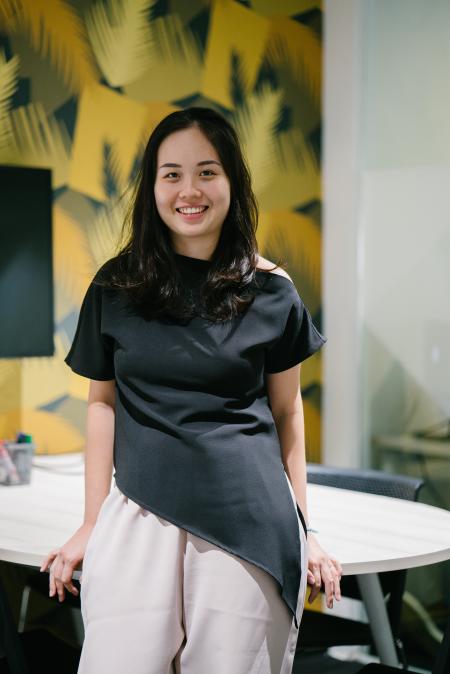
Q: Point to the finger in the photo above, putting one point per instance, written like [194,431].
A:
[328,587]
[52,579]
[56,570]
[313,594]
[52,585]
[316,583]
[337,584]
[47,561]
[310,580]
[60,590]
[329,593]
[70,587]
[329,577]
[66,578]
[317,578]
[336,578]
[337,566]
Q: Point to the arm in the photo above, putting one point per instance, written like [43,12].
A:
[99,447]
[98,475]
[287,410]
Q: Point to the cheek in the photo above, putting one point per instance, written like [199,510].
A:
[162,196]
[222,195]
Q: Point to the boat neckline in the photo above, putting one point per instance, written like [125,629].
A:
[195,260]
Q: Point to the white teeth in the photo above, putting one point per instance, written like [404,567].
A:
[190,211]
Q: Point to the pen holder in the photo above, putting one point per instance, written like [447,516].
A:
[16,460]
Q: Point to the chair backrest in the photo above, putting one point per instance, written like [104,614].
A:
[369,481]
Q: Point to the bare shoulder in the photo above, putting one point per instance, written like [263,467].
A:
[267,265]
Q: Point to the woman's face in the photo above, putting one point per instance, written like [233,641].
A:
[192,191]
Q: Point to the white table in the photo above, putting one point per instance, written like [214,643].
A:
[371,534]
[367,533]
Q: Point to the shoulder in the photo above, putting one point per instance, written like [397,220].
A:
[268,266]
[111,267]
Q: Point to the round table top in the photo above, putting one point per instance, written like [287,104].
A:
[367,533]
[370,533]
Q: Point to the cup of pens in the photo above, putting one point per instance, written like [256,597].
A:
[16,459]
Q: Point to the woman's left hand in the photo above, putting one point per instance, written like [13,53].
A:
[323,569]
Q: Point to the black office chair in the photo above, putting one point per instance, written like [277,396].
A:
[440,666]
[320,631]
[37,583]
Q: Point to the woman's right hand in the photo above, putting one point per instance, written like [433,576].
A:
[62,562]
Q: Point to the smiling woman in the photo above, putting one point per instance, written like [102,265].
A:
[192,191]
[193,196]
[204,532]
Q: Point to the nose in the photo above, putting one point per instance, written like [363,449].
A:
[189,190]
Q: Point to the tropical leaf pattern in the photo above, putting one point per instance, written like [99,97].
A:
[121,39]
[82,85]
[8,84]
[56,31]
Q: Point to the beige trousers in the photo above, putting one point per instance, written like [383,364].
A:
[156,599]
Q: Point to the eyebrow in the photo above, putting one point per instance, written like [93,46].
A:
[200,163]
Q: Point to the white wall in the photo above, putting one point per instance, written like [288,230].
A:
[342,324]
[386,222]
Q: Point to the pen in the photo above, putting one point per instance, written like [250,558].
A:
[9,464]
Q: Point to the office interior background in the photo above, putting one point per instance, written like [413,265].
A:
[343,108]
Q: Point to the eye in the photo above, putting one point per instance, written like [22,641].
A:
[172,174]
[208,172]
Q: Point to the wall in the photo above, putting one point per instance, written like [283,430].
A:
[387,238]
[82,85]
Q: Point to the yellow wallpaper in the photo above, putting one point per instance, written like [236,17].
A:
[83,83]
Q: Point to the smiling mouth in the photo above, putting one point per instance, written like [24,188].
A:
[192,210]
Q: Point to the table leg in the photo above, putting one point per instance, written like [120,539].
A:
[9,638]
[372,594]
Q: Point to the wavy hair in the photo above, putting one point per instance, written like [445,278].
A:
[145,264]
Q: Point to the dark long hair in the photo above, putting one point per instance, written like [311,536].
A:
[145,265]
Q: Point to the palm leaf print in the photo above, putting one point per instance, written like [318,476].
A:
[40,140]
[121,39]
[176,69]
[103,233]
[254,120]
[74,265]
[297,180]
[54,30]
[8,85]
[296,45]
[296,237]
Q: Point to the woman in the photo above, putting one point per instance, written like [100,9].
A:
[195,561]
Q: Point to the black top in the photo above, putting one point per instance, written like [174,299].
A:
[195,441]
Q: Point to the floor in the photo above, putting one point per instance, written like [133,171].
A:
[45,653]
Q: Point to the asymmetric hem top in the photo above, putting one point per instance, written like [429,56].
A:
[195,441]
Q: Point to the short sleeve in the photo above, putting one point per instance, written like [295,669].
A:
[92,353]
[299,340]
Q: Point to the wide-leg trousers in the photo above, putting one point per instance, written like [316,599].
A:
[156,599]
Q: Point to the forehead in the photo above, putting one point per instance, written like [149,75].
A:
[187,146]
